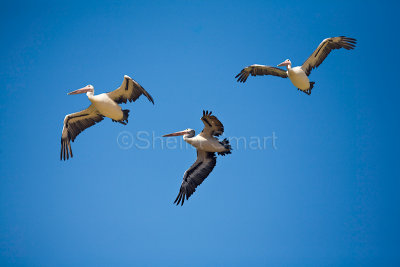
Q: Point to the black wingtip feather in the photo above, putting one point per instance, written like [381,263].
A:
[180,198]
[241,77]
[149,97]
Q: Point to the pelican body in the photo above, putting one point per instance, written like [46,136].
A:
[299,75]
[206,145]
[107,107]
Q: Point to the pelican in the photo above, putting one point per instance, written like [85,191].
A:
[103,105]
[206,145]
[299,75]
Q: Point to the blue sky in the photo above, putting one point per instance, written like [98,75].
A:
[326,195]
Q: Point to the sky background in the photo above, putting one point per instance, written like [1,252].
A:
[326,195]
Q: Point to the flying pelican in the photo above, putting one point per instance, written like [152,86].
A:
[299,75]
[103,105]
[206,144]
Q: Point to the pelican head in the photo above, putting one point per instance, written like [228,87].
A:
[86,89]
[188,132]
[286,63]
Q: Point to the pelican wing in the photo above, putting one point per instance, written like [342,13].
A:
[260,70]
[129,90]
[212,126]
[74,124]
[323,50]
[196,174]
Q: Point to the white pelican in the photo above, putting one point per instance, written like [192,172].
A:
[299,75]
[103,105]
[206,145]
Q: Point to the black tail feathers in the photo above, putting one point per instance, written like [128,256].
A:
[125,116]
[226,144]
[308,91]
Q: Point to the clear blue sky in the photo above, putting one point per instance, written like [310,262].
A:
[328,195]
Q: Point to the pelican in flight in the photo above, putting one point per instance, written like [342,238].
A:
[103,105]
[299,75]
[206,145]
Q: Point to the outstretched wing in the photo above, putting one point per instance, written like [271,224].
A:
[196,174]
[74,124]
[260,70]
[129,90]
[323,50]
[212,126]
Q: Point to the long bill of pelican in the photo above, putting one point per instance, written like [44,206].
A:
[284,63]
[177,133]
[83,90]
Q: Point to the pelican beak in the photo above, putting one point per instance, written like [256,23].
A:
[284,63]
[82,90]
[176,134]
